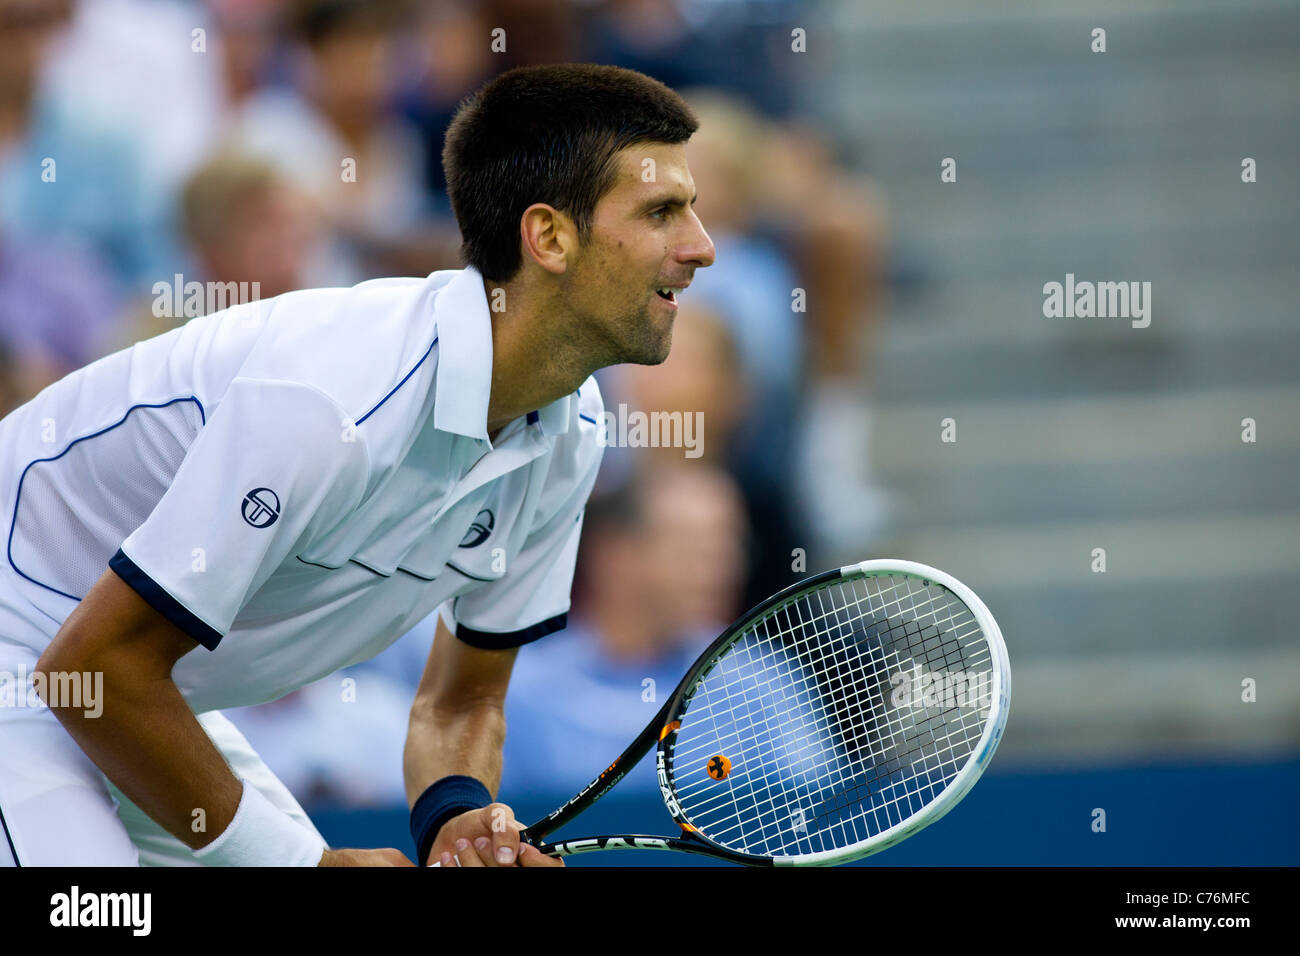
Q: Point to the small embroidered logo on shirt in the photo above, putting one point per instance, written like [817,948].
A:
[261,507]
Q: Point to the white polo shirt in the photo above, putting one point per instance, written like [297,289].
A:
[296,483]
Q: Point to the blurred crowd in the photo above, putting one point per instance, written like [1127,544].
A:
[274,145]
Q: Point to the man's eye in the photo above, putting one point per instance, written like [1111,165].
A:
[660,213]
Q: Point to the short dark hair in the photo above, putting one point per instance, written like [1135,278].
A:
[547,134]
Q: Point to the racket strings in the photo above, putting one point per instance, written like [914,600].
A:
[805,707]
[774,687]
[819,766]
[892,765]
[891,760]
[839,782]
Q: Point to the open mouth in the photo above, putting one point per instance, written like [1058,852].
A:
[668,293]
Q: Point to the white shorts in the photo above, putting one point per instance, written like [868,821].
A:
[57,809]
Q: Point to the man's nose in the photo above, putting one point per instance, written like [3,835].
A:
[698,248]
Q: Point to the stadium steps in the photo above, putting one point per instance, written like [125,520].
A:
[1082,433]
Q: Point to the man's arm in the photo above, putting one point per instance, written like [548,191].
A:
[147,740]
[458,727]
[458,718]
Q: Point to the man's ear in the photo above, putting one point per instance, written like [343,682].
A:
[549,237]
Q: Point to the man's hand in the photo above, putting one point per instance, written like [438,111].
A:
[387,857]
[487,837]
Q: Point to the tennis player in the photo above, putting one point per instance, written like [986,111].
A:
[241,506]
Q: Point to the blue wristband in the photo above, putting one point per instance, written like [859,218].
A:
[444,799]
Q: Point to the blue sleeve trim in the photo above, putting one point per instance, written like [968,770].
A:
[13,519]
[491,641]
[162,602]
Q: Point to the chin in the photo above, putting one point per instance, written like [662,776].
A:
[659,352]
[651,350]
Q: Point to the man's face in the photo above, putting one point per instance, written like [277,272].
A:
[645,237]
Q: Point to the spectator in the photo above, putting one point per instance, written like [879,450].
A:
[359,161]
[835,225]
[247,43]
[659,575]
[454,39]
[687,43]
[148,69]
[247,224]
[251,235]
[798,278]
[56,312]
[702,377]
[65,172]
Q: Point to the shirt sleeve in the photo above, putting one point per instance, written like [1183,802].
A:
[275,466]
[532,599]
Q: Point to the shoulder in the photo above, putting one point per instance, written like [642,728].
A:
[274,420]
[361,346]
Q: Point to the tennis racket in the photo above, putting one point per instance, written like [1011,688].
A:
[840,716]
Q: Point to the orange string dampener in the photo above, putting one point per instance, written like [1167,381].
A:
[718,767]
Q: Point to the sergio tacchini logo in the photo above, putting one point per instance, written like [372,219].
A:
[478,532]
[261,507]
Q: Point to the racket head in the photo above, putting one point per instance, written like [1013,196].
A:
[808,733]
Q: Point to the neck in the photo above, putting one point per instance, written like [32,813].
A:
[538,352]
